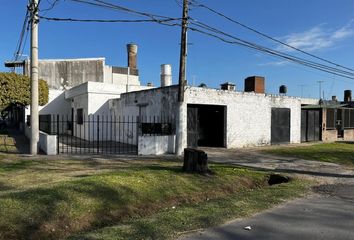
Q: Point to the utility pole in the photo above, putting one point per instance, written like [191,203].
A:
[182,80]
[320,87]
[34,77]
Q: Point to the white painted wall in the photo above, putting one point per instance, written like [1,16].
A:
[119,79]
[248,115]
[248,118]
[156,145]
[47,143]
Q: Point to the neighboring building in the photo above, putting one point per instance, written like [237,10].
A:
[328,121]
[85,84]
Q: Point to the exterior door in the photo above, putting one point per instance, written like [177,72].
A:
[280,125]
[310,125]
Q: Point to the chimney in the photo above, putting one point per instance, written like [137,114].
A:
[228,86]
[166,75]
[132,50]
[334,98]
[254,84]
[347,95]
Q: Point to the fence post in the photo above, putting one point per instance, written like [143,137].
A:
[58,142]
[98,134]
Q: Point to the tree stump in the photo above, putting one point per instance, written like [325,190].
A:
[195,161]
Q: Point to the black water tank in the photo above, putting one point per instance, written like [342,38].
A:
[347,95]
[283,89]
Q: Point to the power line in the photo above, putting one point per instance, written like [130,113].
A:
[269,37]
[209,28]
[21,38]
[273,52]
[103,4]
[108,20]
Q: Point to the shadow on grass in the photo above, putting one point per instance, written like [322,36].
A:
[60,211]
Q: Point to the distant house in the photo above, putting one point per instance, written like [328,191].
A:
[328,121]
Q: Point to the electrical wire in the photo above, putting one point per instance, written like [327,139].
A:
[21,38]
[209,28]
[194,2]
[274,53]
[108,20]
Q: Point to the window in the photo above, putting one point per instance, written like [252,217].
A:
[80,116]
[349,118]
[331,118]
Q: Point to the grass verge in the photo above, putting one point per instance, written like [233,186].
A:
[340,153]
[133,199]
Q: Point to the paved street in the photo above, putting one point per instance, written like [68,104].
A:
[327,214]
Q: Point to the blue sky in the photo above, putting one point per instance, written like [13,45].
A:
[322,27]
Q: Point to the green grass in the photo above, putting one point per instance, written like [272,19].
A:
[341,153]
[133,199]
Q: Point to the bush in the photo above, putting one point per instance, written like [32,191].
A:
[15,89]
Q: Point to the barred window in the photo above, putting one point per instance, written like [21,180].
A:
[331,118]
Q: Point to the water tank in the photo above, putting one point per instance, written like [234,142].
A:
[166,75]
[283,89]
[347,95]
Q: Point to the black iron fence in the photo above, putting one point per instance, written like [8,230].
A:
[96,134]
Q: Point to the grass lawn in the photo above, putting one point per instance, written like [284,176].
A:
[126,199]
[341,153]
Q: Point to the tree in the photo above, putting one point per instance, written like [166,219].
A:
[15,89]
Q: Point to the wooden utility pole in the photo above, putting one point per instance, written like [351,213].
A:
[180,129]
[34,77]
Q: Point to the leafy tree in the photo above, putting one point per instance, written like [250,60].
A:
[15,89]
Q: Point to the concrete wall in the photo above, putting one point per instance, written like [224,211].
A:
[156,145]
[119,79]
[47,143]
[95,100]
[248,118]
[348,134]
[248,115]
[64,73]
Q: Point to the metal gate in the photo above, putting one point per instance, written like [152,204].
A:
[310,125]
[280,125]
[102,134]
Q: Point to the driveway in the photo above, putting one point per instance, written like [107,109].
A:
[328,213]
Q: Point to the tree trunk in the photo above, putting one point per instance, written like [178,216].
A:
[195,161]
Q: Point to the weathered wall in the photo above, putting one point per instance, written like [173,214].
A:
[158,102]
[70,72]
[121,79]
[248,115]
[248,118]
[348,134]
[156,145]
